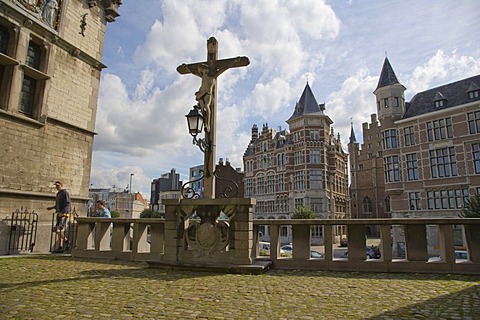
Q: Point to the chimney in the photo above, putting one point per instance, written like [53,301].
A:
[220,162]
[227,162]
[254,132]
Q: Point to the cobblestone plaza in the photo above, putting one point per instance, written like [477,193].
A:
[62,287]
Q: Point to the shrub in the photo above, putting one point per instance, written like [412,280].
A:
[149,213]
[302,212]
[471,209]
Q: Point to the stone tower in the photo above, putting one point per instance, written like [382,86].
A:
[50,64]
[390,95]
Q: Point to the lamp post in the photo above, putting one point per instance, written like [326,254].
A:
[130,185]
[130,202]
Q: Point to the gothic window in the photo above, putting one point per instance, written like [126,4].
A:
[317,231]
[443,162]
[27,97]
[474,122]
[33,82]
[314,135]
[315,156]
[299,180]
[270,183]
[315,179]
[367,205]
[414,200]
[260,184]
[392,169]
[412,167]
[281,182]
[476,157]
[439,129]
[387,204]
[409,136]
[447,198]
[390,139]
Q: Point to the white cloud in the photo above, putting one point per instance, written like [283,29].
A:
[441,67]
[338,46]
[354,102]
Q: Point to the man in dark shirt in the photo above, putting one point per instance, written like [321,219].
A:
[62,208]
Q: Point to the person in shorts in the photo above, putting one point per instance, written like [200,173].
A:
[62,208]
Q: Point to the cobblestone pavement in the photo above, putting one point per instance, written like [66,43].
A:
[62,287]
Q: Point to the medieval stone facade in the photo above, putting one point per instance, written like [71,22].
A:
[305,165]
[50,65]
[419,158]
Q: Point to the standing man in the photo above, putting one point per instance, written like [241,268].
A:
[104,212]
[62,208]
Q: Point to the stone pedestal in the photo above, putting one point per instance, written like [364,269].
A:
[194,235]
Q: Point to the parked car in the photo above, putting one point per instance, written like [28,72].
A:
[372,252]
[460,256]
[286,249]
[264,248]
[316,254]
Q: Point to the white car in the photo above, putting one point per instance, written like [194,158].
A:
[460,256]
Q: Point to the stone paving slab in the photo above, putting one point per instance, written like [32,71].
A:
[62,287]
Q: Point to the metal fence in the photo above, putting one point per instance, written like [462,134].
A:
[23,231]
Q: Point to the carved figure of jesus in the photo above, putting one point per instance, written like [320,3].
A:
[204,94]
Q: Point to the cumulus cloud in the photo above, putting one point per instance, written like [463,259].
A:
[140,120]
[353,103]
[440,67]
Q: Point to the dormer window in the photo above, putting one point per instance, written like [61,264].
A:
[473,91]
[473,94]
[439,100]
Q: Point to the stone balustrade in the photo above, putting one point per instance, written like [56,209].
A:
[166,242]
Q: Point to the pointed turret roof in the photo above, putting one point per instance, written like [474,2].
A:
[306,105]
[387,76]
[352,135]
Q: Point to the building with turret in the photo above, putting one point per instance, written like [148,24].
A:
[50,66]
[419,158]
[304,165]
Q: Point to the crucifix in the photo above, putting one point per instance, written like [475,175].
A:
[206,98]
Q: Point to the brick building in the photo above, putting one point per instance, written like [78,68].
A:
[305,165]
[50,65]
[419,158]
[228,180]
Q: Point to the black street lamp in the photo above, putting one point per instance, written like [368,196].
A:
[195,120]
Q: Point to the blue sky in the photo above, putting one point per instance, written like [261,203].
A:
[337,46]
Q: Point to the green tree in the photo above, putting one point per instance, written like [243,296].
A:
[302,212]
[149,213]
[115,214]
[471,209]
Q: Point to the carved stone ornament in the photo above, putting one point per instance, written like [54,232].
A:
[207,238]
[46,11]
[111,8]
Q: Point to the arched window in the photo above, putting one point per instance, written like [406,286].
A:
[367,205]
[387,204]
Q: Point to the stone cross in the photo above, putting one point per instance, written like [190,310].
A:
[206,97]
